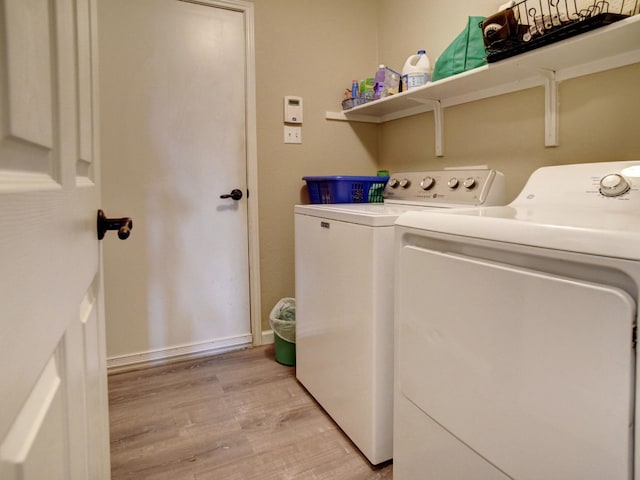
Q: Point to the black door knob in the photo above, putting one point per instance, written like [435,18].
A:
[235,194]
[122,225]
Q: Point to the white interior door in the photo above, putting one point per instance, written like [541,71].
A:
[174,140]
[53,420]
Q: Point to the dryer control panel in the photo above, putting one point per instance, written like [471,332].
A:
[447,188]
[583,185]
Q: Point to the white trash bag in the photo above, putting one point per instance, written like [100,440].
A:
[283,319]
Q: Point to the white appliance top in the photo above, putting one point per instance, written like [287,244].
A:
[417,191]
[591,208]
[370,214]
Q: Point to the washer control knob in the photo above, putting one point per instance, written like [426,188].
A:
[469,183]
[453,183]
[404,183]
[614,185]
[427,183]
[393,182]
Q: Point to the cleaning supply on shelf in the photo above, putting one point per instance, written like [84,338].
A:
[391,82]
[416,71]
[386,82]
[358,94]
[378,82]
[366,90]
[355,89]
[347,101]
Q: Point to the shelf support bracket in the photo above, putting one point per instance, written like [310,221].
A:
[550,108]
[439,125]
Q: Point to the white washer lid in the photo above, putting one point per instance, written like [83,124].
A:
[370,214]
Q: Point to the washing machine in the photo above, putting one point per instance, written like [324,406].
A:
[344,274]
[516,332]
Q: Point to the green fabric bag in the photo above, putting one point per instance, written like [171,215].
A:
[466,52]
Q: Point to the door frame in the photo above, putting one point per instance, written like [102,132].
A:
[253,224]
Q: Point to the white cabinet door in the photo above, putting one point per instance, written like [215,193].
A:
[532,371]
[53,415]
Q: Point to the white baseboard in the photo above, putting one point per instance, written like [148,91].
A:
[164,355]
[267,337]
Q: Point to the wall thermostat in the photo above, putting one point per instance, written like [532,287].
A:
[292,109]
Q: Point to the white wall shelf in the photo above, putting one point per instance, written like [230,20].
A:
[609,47]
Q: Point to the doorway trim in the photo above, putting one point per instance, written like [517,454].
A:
[253,224]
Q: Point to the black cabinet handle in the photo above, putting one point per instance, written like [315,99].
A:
[122,225]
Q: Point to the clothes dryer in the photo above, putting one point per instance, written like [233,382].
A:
[516,332]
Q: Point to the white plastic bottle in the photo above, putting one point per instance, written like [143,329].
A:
[416,71]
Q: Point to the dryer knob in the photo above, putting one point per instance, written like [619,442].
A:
[427,183]
[614,185]
[469,183]
[453,183]
[393,182]
[404,183]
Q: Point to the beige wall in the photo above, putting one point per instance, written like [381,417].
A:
[312,49]
[407,26]
[315,48]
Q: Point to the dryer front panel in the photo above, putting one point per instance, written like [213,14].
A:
[533,371]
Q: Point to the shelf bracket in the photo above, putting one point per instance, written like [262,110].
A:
[439,124]
[437,116]
[550,108]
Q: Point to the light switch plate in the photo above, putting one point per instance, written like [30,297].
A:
[292,134]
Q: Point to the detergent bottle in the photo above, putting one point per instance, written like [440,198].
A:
[416,71]
[378,82]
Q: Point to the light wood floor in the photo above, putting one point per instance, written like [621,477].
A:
[235,416]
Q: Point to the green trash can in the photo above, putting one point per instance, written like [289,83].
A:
[283,323]
[285,351]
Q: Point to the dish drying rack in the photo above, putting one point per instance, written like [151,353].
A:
[531,24]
